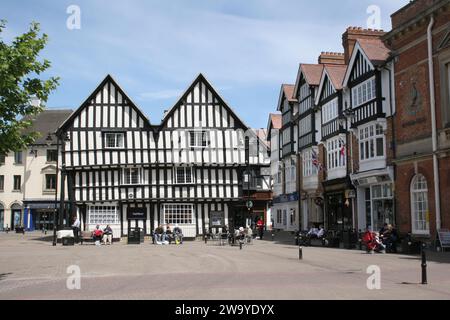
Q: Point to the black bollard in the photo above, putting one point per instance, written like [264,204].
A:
[300,253]
[273,237]
[424,266]
[240,245]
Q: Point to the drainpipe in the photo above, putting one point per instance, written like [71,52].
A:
[433,125]
[393,140]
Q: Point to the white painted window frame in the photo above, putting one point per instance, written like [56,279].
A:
[117,144]
[414,192]
[364,92]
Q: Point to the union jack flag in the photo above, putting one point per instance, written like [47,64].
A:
[316,162]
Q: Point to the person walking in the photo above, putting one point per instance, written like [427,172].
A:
[76,228]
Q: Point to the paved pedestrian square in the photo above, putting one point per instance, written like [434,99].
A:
[33,269]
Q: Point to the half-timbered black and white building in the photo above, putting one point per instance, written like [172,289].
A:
[369,95]
[201,160]
[309,136]
[338,190]
[285,204]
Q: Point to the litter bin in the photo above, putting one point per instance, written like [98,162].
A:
[135,236]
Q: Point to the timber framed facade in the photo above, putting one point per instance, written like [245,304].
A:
[123,171]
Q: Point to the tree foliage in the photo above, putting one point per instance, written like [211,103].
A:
[22,93]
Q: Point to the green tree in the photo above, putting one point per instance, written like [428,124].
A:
[22,93]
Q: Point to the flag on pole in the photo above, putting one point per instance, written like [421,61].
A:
[315,161]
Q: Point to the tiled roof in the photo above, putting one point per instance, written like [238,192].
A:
[336,74]
[375,50]
[275,120]
[288,90]
[312,72]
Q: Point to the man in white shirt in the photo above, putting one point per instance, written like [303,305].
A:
[76,228]
[321,232]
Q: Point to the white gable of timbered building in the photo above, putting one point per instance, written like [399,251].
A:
[178,172]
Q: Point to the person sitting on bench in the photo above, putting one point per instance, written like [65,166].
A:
[321,233]
[107,235]
[178,234]
[169,234]
[97,235]
[312,233]
[160,236]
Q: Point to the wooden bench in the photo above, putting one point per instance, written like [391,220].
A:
[86,236]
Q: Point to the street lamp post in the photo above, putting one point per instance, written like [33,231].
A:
[49,141]
[248,203]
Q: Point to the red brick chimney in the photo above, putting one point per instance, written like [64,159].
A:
[331,58]
[352,34]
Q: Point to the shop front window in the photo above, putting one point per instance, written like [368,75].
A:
[44,220]
[379,206]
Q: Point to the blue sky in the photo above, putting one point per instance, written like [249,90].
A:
[155,49]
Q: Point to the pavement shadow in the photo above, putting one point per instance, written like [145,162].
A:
[437,257]
[48,238]
[4,275]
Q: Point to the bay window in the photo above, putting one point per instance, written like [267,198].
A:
[364,92]
[330,111]
[371,142]
[310,162]
[336,153]
[305,126]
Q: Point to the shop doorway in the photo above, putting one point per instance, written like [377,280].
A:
[16,216]
[241,217]
[44,220]
[339,212]
[137,218]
